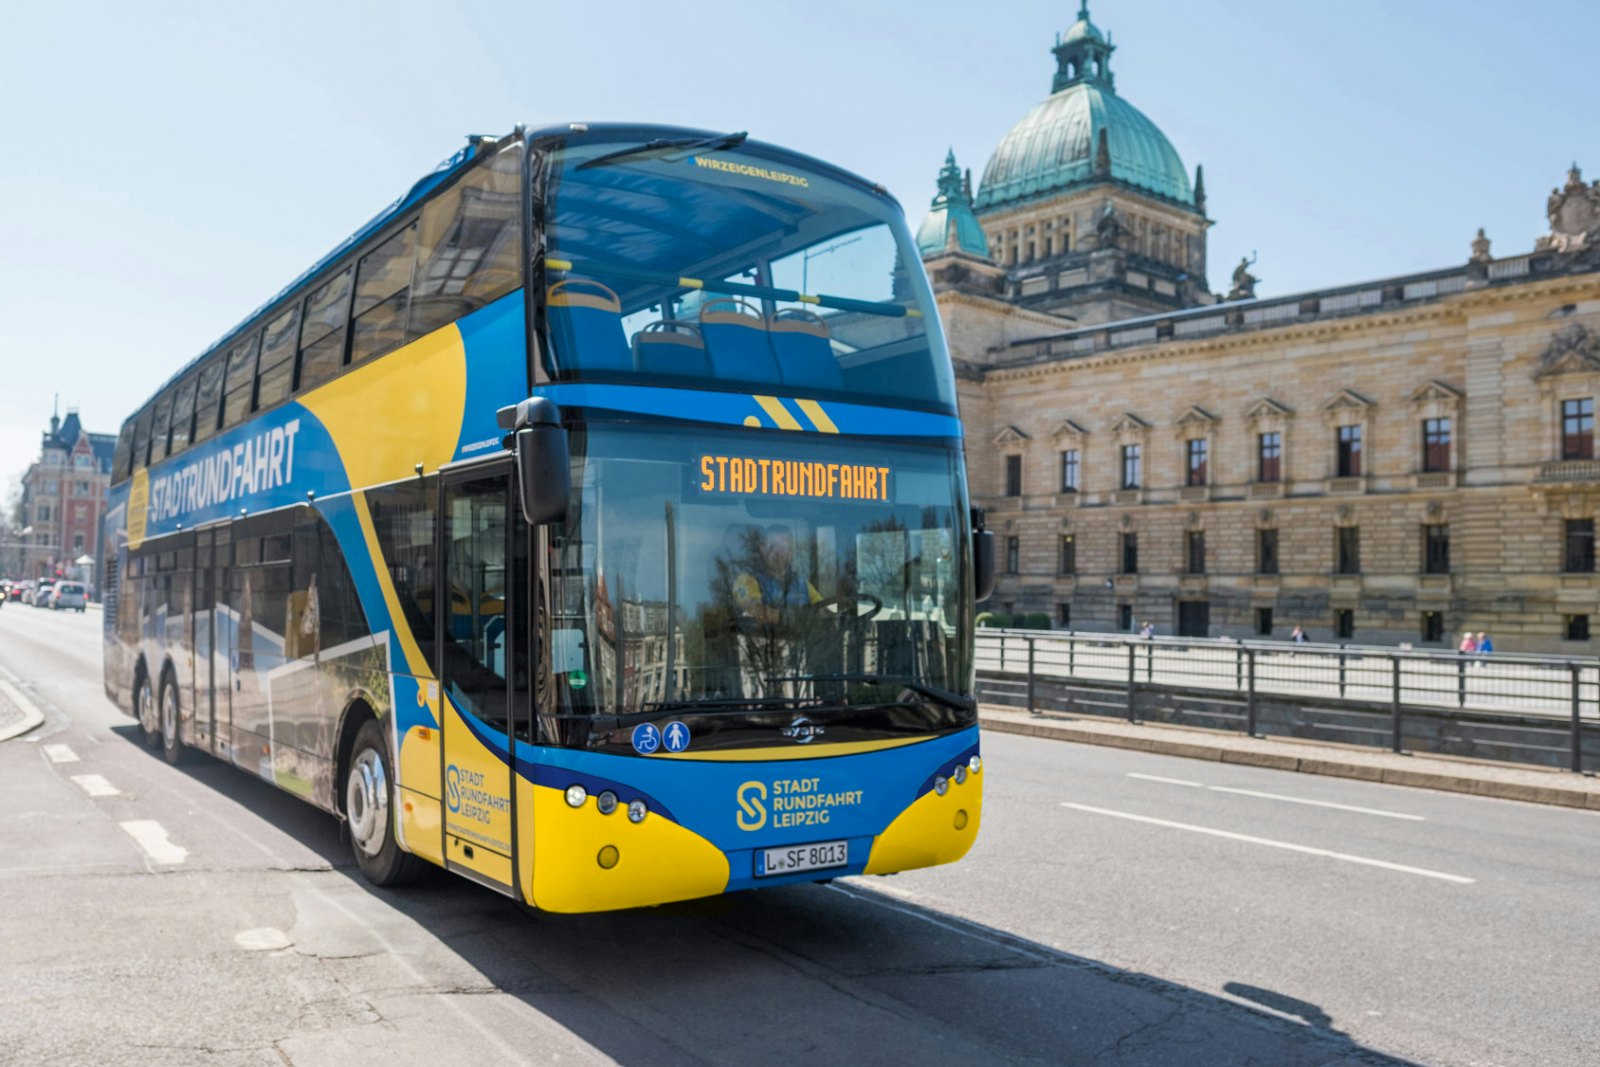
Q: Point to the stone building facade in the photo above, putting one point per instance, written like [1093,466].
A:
[1395,461]
[64,499]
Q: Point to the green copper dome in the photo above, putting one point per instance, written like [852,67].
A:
[1058,144]
[951,225]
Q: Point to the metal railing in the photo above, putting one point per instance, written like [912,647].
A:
[1515,708]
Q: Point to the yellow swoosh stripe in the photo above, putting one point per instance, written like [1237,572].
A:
[778,413]
[815,413]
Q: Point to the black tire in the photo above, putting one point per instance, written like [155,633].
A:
[145,709]
[170,738]
[368,803]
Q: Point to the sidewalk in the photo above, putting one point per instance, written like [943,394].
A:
[17,713]
[1503,781]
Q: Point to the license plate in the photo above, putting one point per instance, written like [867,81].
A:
[797,858]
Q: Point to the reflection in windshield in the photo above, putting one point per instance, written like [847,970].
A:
[737,269]
[673,586]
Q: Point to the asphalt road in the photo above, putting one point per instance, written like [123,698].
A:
[1118,908]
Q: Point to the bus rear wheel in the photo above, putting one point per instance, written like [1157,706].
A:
[369,812]
[144,705]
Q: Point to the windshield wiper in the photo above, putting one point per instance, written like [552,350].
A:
[934,693]
[668,144]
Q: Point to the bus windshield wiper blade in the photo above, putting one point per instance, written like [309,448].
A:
[934,693]
[668,144]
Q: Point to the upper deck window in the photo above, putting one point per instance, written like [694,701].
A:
[742,269]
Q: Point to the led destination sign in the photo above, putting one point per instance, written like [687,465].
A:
[793,478]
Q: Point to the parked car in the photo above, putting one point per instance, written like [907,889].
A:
[26,591]
[68,595]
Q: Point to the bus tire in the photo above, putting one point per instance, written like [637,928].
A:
[172,746]
[370,813]
[145,709]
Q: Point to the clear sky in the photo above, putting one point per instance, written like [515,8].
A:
[166,167]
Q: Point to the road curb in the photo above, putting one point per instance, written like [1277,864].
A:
[1449,778]
[31,715]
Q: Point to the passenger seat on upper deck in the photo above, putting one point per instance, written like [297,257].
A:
[671,347]
[805,355]
[585,319]
[735,336]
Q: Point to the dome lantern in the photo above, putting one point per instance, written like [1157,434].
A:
[1083,54]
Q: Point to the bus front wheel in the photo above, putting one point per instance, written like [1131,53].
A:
[172,746]
[369,812]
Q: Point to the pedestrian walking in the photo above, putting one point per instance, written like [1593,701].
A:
[1298,636]
[1485,647]
[1148,630]
[1469,644]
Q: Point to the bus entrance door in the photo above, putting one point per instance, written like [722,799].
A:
[475,708]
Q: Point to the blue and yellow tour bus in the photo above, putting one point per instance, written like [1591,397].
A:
[592,523]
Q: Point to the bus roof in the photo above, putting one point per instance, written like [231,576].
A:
[451,166]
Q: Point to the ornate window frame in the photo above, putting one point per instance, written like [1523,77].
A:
[1268,416]
[1130,429]
[1196,424]
[1069,436]
[1436,400]
[1010,441]
[1348,408]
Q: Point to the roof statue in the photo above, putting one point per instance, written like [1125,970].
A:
[1244,283]
[1574,213]
[1108,228]
[1480,248]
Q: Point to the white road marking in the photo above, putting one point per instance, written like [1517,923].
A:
[60,754]
[1277,796]
[1289,846]
[1169,781]
[95,785]
[152,837]
[1316,803]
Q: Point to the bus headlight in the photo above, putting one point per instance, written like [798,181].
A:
[606,802]
[941,785]
[975,764]
[961,773]
[637,811]
[576,795]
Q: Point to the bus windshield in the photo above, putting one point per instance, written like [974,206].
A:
[734,268]
[748,572]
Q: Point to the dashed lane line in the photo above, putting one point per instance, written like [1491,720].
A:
[60,754]
[95,785]
[152,837]
[1343,857]
[1279,796]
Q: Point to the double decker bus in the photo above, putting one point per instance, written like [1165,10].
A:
[592,523]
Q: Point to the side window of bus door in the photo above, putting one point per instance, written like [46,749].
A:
[475,653]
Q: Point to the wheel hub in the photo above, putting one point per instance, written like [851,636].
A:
[367,802]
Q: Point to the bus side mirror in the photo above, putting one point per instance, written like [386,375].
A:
[982,558]
[544,473]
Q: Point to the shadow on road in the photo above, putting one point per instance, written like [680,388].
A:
[803,974]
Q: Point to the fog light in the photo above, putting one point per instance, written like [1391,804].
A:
[975,764]
[941,785]
[961,773]
[576,795]
[606,802]
[961,820]
[608,857]
[637,811]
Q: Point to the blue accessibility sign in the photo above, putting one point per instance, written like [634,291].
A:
[675,736]
[646,738]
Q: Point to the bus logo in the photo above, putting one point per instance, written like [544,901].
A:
[802,730]
[752,813]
